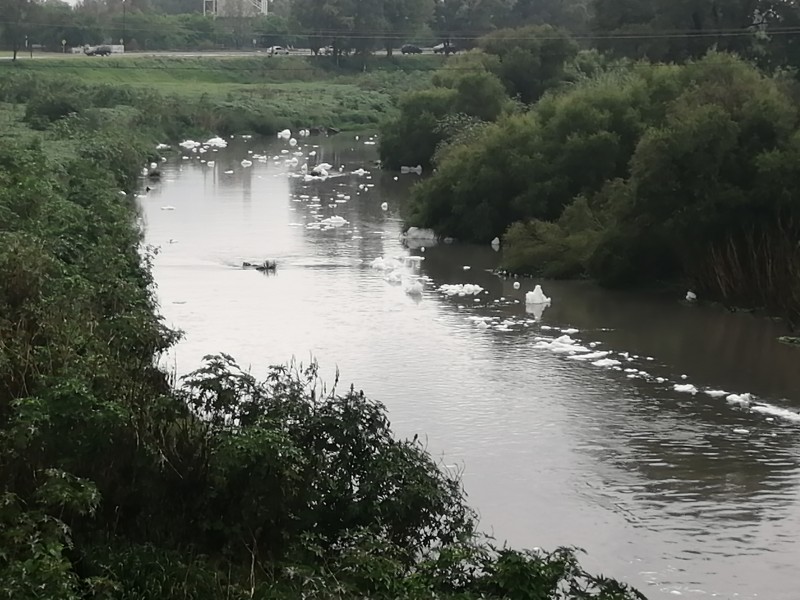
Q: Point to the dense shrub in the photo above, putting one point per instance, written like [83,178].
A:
[43,110]
[652,174]
[464,86]
[531,60]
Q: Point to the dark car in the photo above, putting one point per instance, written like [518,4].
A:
[99,51]
[441,48]
[411,49]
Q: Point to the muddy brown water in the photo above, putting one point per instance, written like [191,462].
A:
[679,493]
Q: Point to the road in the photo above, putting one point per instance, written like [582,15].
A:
[181,54]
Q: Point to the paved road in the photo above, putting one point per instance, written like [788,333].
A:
[181,54]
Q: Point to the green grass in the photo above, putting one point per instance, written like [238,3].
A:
[302,90]
[14,131]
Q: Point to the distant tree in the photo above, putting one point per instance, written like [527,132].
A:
[368,23]
[273,30]
[18,17]
[403,18]
[573,15]
[532,59]
[459,22]
[638,28]
[178,7]
[323,21]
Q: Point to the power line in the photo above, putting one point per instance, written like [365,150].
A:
[462,35]
[31,66]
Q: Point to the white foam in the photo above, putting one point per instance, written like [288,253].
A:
[561,345]
[591,355]
[740,399]
[415,233]
[217,142]
[716,393]
[536,296]
[606,362]
[460,289]
[776,411]
[334,221]
[685,388]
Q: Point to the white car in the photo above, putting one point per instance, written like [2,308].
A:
[277,50]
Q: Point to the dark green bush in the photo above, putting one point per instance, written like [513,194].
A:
[43,110]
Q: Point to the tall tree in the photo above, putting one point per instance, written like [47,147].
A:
[324,22]
[404,18]
[459,22]
[573,15]
[18,15]
[678,30]
[531,59]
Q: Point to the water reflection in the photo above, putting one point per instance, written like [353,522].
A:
[661,487]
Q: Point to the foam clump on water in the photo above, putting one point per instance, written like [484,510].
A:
[385,264]
[685,388]
[561,345]
[607,362]
[217,142]
[335,221]
[536,296]
[740,399]
[416,233]
[592,355]
[414,288]
[460,289]
[776,411]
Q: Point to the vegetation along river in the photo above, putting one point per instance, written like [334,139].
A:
[588,424]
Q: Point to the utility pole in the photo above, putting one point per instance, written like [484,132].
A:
[122,41]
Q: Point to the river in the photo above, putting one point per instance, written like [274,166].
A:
[679,493]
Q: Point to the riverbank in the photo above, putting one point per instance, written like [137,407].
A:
[117,485]
[255,94]
[636,175]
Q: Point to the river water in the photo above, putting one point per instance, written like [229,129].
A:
[679,493]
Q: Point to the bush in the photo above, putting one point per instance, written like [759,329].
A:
[43,110]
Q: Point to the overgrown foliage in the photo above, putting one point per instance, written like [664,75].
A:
[652,173]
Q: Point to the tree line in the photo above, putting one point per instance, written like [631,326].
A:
[360,26]
[625,170]
[658,30]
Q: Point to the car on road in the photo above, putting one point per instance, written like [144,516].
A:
[277,50]
[98,51]
[411,49]
[440,48]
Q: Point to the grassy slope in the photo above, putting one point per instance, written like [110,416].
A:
[13,130]
[304,90]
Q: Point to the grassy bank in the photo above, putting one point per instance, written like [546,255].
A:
[259,93]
